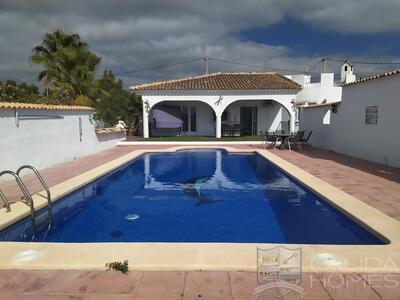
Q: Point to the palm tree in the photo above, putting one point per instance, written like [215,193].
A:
[68,63]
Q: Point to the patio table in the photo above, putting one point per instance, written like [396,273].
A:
[284,137]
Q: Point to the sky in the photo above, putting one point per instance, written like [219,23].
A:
[131,35]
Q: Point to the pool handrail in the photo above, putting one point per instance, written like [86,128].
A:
[27,196]
[49,205]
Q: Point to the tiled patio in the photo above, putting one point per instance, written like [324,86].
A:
[374,184]
[187,285]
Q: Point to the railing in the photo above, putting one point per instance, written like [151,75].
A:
[44,186]
[27,196]
[6,203]
[312,84]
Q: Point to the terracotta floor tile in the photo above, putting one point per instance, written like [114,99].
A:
[374,184]
[159,298]
[207,284]
[270,291]
[312,288]
[107,297]
[28,281]
[5,276]
[386,285]
[67,282]
[347,286]
[41,297]
[210,297]
[160,284]
[243,284]
[114,282]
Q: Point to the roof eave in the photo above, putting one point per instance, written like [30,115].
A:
[160,91]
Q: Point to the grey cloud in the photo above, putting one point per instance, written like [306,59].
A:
[134,34]
[347,16]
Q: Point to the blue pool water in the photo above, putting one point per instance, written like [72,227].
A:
[195,196]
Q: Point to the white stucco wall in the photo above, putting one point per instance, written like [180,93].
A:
[348,133]
[319,91]
[46,142]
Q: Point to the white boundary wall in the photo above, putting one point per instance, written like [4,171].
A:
[347,132]
[49,141]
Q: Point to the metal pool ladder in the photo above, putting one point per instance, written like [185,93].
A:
[28,196]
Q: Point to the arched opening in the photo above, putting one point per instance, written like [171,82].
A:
[181,118]
[254,117]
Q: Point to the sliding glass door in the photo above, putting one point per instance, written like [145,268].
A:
[248,120]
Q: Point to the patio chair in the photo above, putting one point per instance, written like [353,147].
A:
[300,134]
[304,141]
[236,128]
[277,138]
[226,130]
[270,137]
[295,139]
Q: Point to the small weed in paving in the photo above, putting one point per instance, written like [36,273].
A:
[118,266]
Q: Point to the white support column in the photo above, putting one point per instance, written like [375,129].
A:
[145,123]
[218,126]
[292,121]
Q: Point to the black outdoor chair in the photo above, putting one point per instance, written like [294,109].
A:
[270,137]
[295,139]
[277,138]
[236,129]
[226,129]
[304,141]
[300,134]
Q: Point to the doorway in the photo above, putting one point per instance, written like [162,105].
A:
[248,120]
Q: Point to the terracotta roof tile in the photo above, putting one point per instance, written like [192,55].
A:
[396,72]
[11,105]
[224,81]
[109,130]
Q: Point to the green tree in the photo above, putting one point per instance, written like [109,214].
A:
[69,65]
[113,103]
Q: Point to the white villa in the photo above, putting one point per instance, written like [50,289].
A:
[233,104]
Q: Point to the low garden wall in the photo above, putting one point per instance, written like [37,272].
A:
[46,135]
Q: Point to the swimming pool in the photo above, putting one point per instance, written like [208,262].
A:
[196,196]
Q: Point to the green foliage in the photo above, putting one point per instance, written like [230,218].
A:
[11,92]
[118,266]
[113,103]
[11,83]
[69,77]
[69,65]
